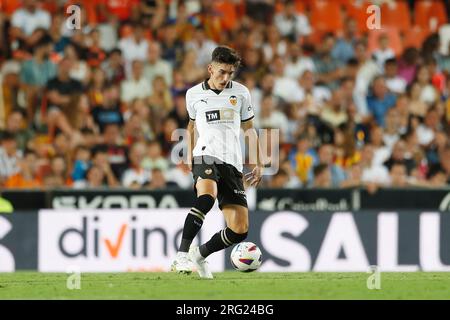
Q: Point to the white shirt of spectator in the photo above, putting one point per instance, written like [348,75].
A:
[377,174]
[159,68]
[131,176]
[203,51]
[382,55]
[218,120]
[28,22]
[295,69]
[132,89]
[287,89]
[182,179]
[9,164]
[396,85]
[131,50]
[425,135]
[298,24]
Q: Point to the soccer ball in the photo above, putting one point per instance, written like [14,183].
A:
[246,257]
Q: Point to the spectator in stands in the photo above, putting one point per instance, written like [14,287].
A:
[202,46]
[303,160]
[35,73]
[394,82]
[290,23]
[154,157]
[270,117]
[180,175]
[136,86]
[297,63]
[112,144]
[398,175]
[79,70]
[329,70]
[9,157]
[158,180]
[172,47]
[16,126]
[9,89]
[279,180]
[27,19]
[443,166]
[58,176]
[114,66]
[274,45]
[428,93]
[322,176]
[189,69]
[134,47]
[81,163]
[407,66]
[95,178]
[179,111]
[371,172]
[426,130]
[100,159]
[284,87]
[326,157]
[109,112]
[27,175]
[380,100]
[155,66]
[334,113]
[383,52]
[60,91]
[399,156]
[343,49]
[135,175]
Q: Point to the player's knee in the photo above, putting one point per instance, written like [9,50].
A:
[204,203]
[237,235]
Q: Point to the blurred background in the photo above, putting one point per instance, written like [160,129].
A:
[360,99]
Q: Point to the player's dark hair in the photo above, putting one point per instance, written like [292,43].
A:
[226,55]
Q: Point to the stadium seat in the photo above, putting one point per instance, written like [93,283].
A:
[394,39]
[430,14]
[396,15]
[326,16]
[228,14]
[9,6]
[415,37]
[358,11]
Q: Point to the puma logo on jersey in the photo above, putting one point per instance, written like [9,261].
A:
[204,100]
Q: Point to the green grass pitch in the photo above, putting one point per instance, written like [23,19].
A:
[226,285]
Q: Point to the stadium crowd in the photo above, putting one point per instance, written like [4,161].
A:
[93,102]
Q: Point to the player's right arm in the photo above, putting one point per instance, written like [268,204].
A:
[191,127]
[190,142]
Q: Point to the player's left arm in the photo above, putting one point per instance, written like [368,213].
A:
[253,177]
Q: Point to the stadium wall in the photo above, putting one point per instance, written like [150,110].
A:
[120,240]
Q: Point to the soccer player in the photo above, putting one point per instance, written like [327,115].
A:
[218,108]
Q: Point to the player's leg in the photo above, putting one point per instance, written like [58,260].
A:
[233,203]
[206,196]
[236,217]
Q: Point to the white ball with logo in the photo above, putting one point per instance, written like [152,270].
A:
[246,257]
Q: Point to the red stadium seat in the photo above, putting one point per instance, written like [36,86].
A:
[415,37]
[396,15]
[326,16]
[430,14]
[358,11]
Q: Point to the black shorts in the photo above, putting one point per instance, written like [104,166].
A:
[230,187]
